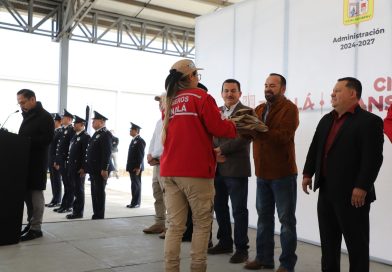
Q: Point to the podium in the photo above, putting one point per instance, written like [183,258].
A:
[14,162]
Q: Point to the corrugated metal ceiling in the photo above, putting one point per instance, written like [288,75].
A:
[173,12]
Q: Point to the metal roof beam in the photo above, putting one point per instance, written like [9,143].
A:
[218,3]
[159,8]
[15,14]
[82,23]
[75,12]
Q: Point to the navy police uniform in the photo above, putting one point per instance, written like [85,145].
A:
[135,161]
[98,154]
[115,142]
[61,159]
[55,176]
[76,162]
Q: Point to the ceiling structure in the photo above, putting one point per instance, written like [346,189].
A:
[160,26]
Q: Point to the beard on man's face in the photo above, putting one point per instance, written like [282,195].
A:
[270,96]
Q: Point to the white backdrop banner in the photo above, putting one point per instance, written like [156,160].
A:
[312,43]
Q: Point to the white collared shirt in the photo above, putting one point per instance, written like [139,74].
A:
[156,147]
[228,111]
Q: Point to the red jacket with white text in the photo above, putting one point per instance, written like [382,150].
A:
[194,120]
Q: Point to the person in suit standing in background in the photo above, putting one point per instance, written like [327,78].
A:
[98,163]
[115,143]
[62,152]
[231,180]
[38,126]
[345,157]
[135,165]
[76,166]
[55,176]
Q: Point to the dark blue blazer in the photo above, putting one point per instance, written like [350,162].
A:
[53,145]
[63,145]
[77,152]
[136,154]
[98,152]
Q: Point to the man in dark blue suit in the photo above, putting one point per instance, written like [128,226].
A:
[76,166]
[98,163]
[61,162]
[135,165]
[345,157]
[55,176]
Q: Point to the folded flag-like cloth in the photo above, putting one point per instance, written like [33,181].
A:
[248,123]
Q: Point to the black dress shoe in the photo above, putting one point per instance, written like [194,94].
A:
[74,216]
[58,209]
[30,235]
[219,249]
[65,210]
[133,206]
[52,205]
[240,256]
[26,229]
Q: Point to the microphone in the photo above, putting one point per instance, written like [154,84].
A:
[8,118]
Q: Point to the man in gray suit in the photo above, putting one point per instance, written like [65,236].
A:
[231,180]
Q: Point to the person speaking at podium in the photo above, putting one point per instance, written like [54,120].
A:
[38,126]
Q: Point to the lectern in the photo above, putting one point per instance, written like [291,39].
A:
[14,159]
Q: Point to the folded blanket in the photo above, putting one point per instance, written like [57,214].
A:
[248,124]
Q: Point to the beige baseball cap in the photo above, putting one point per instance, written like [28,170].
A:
[185,66]
[159,97]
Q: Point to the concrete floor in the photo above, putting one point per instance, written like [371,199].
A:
[117,244]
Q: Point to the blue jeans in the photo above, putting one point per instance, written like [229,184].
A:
[237,189]
[282,193]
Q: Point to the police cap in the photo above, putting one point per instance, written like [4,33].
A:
[79,120]
[134,126]
[67,114]
[56,116]
[99,116]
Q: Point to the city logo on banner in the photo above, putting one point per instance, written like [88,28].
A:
[357,11]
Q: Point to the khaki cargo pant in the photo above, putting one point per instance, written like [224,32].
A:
[198,193]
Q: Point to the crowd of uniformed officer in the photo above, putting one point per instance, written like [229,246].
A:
[60,162]
[55,176]
[73,153]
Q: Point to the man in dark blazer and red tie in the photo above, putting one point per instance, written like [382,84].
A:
[345,157]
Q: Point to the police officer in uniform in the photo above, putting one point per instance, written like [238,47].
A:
[61,162]
[99,163]
[115,142]
[55,176]
[76,166]
[135,165]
